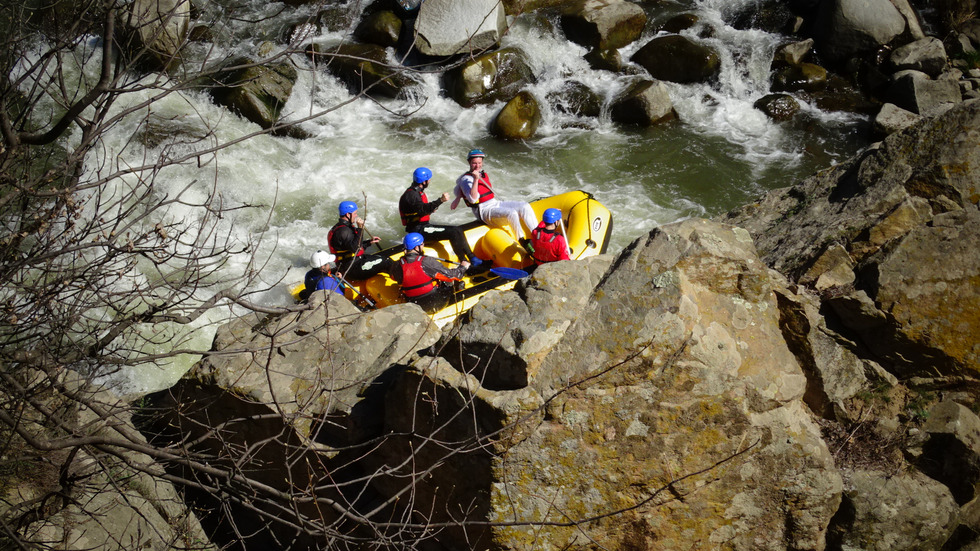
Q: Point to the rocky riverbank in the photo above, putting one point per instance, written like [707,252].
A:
[798,375]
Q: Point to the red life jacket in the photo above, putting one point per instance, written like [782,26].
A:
[413,217]
[415,282]
[548,245]
[483,188]
[344,254]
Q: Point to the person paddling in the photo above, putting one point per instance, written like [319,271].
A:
[415,209]
[549,245]
[475,189]
[424,280]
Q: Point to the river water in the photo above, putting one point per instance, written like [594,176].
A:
[721,154]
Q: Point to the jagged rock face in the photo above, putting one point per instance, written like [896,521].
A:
[889,240]
[113,498]
[916,92]
[668,395]
[318,361]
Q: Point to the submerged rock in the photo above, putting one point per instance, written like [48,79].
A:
[779,107]
[645,103]
[519,118]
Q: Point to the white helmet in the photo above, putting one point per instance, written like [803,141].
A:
[321,258]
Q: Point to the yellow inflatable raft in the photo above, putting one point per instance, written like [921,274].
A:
[587,225]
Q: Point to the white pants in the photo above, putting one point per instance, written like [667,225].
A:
[500,214]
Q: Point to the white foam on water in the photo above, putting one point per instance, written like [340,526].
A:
[365,151]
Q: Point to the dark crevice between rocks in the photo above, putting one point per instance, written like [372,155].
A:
[840,524]
[280,458]
[495,368]
[961,538]
[849,183]
[795,327]
[627,255]
[949,461]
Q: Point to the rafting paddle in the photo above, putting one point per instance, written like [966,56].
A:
[505,273]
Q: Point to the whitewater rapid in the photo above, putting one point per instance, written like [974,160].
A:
[722,153]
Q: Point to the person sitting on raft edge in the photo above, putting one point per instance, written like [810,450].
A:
[346,240]
[320,277]
[415,210]
[547,244]
[475,189]
[423,279]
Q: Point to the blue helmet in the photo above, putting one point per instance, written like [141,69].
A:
[475,153]
[551,216]
[413,240]
[347,207]
[421,174]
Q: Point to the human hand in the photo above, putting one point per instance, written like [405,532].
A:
[358,221]
[375,239]
[465,264]
[445,197]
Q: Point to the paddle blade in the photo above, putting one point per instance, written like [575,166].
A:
[509,273]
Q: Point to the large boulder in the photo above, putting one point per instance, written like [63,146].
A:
[883,511]
[603,24]
[644,103]
[508,335]
[895,228]
[363,68]
[517,7]
[848,28]
[834,372]
[158,28]
[495,76]
[256,91]
[449,27]
[320,361]
[382,27]
[914,91]
[927,55]
[676,58]
[892,118]
[575,98]
[519,118]
[672,406]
